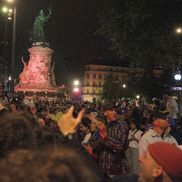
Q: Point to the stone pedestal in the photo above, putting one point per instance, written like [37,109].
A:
[38,74]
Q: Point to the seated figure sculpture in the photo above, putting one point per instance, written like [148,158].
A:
[24,76]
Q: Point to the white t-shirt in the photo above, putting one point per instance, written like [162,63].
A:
[137,134]
[151,137]
[86,138]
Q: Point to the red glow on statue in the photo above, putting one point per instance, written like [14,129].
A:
[38,73]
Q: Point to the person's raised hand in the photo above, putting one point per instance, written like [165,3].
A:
[68,123]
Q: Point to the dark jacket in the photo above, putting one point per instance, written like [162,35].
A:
[126,178]
[112,159]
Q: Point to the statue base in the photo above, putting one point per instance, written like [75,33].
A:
[42,44]
[37,77]
[46,92]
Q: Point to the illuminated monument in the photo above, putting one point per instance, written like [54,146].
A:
[38,75]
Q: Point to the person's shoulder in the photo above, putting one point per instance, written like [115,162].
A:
[139,132]
[148,134]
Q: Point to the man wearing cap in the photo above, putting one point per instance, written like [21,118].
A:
[158,133]
[161,162]
[115,141]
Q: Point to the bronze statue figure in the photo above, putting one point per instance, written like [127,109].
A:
[38,27]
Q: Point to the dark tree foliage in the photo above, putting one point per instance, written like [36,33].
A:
[143,31]
[149,85]
[112,88]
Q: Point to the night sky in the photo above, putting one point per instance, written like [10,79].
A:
[70,32]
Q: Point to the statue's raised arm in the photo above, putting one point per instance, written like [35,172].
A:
[38,27]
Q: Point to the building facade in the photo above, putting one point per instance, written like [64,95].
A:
[94,78]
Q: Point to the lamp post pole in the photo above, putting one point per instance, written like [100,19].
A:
[4,10]
[178,78]
[13,49]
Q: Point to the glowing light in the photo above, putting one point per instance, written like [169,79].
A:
[124,85]
[4,9]
[9,18]
[138,96]
[177,76]
[76,83]
[179,30]
[9,78]
[9,1]
[76,90]
[10,11]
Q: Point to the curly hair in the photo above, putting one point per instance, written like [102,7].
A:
[61,165]
[16,132]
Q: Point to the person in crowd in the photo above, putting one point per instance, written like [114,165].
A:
[171,108]
[4,100]
[47,137]
[17,131]
[168,137]
[112,159]
[94,146]
[127,115]
[57,114]
[12,107]
[143,124]
[66,127]
[157,133]
[178,132]
[108,141]
[3,109]
[132,152]
[63,165]
[161,162]
[84,128]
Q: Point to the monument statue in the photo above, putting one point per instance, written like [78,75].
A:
[38,75]
[38,26]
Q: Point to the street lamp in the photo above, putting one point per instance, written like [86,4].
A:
[76,83]
[8,13]
[10,1]
[137,96]
[4,9]
[177,77]
[124,85]
[76,90]
[179,30]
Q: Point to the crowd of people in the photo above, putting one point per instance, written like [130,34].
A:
[61,140]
